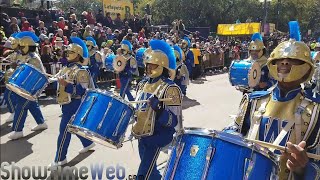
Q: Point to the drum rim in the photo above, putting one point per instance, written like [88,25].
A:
[22,92]
[33,67]
[95,136]
[215,133]
[104,92]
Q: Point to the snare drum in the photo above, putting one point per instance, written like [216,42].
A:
[103,118]
[245,73]
[207,154]
[109,62]
[28,82]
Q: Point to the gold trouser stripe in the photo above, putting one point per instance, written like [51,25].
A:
[154,161]
[125,88]
[9,101]
[20,115]
[62,141]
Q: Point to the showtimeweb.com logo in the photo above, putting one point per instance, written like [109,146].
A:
[95,171]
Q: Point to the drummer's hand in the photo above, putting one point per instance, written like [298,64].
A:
[62,82]
[155,103]
[297,159]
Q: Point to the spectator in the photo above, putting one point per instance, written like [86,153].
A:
[196,68]
[14,28]
[107,21]
[26,26]
[59,37]
[90,18]
[87,32]
[62,23]
[46,58]
[118,21]
[110,35]
[126,26]
[54,27]
[41,29]
[100,17]
[5,22]
[72,20]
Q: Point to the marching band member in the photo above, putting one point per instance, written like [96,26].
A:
[257,52]
[182,75]
[129,70]
[9,96]
[70,92]
[156,120]
[95,62]
[287,115]
[189,58]
[28,48]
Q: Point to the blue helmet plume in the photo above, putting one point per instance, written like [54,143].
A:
[188,40]
[92,40]
[294,30]
[166,49]
[33,36]
[80,42]
[256,36]
[177,48]
[128,43]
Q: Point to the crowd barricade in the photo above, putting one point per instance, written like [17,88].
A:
[213,61]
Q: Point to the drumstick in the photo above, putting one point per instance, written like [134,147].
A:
[143,101]
[269,145]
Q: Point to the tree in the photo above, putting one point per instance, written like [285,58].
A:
[80,5]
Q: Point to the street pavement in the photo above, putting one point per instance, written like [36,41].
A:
[209,103]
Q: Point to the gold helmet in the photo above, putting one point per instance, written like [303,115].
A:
[27,39]
[292,49]
[161,54]
[126,45]
[77,47]
[256,42]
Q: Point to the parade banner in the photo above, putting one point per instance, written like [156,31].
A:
[124,7]
[238,29]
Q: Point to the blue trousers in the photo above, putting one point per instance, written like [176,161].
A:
[148,167]
[10,100]
[125,87]
[64,136]
[21,112]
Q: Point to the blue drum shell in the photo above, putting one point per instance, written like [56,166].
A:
[228,160]
[28,79]
[239,71]
[96,115]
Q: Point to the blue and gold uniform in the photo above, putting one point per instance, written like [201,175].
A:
[95,62]
[281,116]
[130,68]
[257,53]
[182,74]
[188,55]
[156,121]
[27,43]
[73,82]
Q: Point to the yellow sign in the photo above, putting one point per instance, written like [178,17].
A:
[238,29]
[124,7]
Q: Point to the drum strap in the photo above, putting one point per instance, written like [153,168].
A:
[297,122]
[257,116]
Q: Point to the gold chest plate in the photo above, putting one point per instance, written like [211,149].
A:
[69,74]
[278,114]
[144,125]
